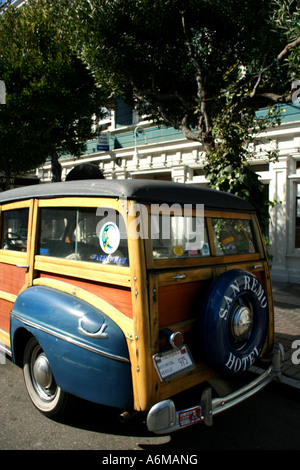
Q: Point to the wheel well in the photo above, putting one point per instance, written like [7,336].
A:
[21,338]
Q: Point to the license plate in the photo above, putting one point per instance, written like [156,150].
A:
[191,416]
[173,363]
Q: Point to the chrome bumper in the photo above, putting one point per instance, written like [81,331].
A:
[163,418]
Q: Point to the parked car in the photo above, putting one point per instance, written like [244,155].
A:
[130,293]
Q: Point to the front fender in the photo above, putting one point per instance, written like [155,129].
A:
[87,351]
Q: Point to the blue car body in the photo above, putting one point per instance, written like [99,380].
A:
[93,367]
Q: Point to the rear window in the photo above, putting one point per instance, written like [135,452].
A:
[179,237]
[82,235]
[233,237]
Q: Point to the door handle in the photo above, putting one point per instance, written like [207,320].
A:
[256,266]
[25,266]
[179,277]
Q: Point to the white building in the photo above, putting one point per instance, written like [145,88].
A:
[135,149]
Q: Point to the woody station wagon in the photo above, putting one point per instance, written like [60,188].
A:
[128,293]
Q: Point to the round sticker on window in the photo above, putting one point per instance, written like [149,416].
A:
[178,250]
[109,237]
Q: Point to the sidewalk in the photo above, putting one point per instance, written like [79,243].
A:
[287,327]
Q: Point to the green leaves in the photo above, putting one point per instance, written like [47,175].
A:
[228,164]
[286,21]
[51,96]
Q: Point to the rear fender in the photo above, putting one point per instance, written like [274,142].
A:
[87,351]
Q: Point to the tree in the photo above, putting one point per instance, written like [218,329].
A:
[286,20]
[202,66]
[179,59]
[51,97]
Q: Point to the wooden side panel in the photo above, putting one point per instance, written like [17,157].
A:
[12,281]
[118,296]
[12,278]
[5,308]
[180,302]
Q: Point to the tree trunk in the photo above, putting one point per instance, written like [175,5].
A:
[55,167]
[7,176]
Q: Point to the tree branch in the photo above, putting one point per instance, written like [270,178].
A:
[287,48]
[275,98]
[259,77]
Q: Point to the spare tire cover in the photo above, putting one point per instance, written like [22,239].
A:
[233,322]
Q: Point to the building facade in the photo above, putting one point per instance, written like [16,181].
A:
[131,148]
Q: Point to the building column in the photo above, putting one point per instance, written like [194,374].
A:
[278,221]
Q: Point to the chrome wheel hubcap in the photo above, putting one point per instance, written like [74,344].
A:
[242,322]
[42,377]
[241,325]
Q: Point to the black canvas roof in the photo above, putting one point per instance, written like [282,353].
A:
[146,191]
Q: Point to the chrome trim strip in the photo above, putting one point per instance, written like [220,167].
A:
[68,339]
[5,349]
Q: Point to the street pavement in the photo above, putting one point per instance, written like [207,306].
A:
[287,328]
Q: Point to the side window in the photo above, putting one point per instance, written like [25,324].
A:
[14,229]
[233,237]
[83,235]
